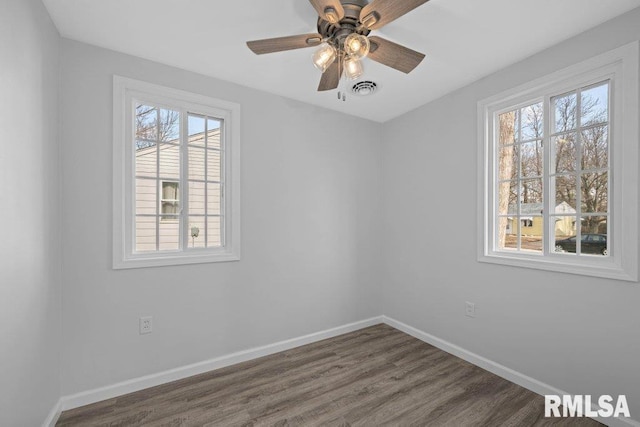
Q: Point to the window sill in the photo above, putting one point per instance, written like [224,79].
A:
[595,267]
[174,258]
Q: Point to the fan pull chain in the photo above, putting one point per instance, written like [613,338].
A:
[342,80]
[341,94]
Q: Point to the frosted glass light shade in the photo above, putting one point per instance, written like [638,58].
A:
[353,68]
[324,56]
[356,46]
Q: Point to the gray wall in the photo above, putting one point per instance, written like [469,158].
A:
[319,204]
[30,298]
[579,334]
[310,232]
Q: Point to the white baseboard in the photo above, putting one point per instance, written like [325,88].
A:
[136,384]
[54,414]
[502,371]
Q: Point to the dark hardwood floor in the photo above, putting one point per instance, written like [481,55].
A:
[372,377]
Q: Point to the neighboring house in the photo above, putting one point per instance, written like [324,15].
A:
[158,192]
[531,220]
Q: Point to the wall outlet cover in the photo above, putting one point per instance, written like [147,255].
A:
[470,309]
[146,325]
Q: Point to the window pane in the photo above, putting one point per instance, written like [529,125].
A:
[566,189]
[595,105]
[507,198]
[196,163]
[146,160]
[213,165]
[565,112]
[564,233]
[145,234]
[531,229]
[169,209]
[507,233]
[196,198]
[143,143]
[531,159]
[565,226]
[169,161]
[531,191]
[146,196]
[213,232]
[528,210]
[564,153]
[594,224]
[196,232]
[213,199]
[595,194]
[196,130]
[170,200]
[507,127]
[146,122]
[170,190]
[531,122]
[169,234]
[213,133]
[169,126]
[594,235]
[508,162]
[595,148]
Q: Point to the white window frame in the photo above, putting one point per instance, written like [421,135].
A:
[620,66]
[125,91]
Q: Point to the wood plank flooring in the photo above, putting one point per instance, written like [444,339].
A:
[372,377]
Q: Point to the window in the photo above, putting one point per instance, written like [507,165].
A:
[170,200]
[558,166]
[176,170]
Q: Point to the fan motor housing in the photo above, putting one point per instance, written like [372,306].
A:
[361,3]
[349,24]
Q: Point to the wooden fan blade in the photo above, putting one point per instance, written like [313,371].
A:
[280,44]
[379,13]
[329,10]
[394,55]
[330,78]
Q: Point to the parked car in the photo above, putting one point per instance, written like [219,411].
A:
[589,244]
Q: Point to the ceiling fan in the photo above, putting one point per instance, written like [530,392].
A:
[343,38]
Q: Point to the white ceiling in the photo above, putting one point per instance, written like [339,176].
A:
[464,40]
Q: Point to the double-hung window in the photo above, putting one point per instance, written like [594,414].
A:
[559,170]
[176,177]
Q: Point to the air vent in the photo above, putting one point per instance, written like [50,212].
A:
[364,88]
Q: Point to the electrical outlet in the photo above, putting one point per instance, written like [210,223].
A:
[146,325]
[470,309]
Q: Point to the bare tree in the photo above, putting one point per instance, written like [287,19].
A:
[531,153]
[155,125]
[506,171]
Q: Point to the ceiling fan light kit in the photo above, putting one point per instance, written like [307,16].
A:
[353,68]
[356,46]
[324,56]
[343,39]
